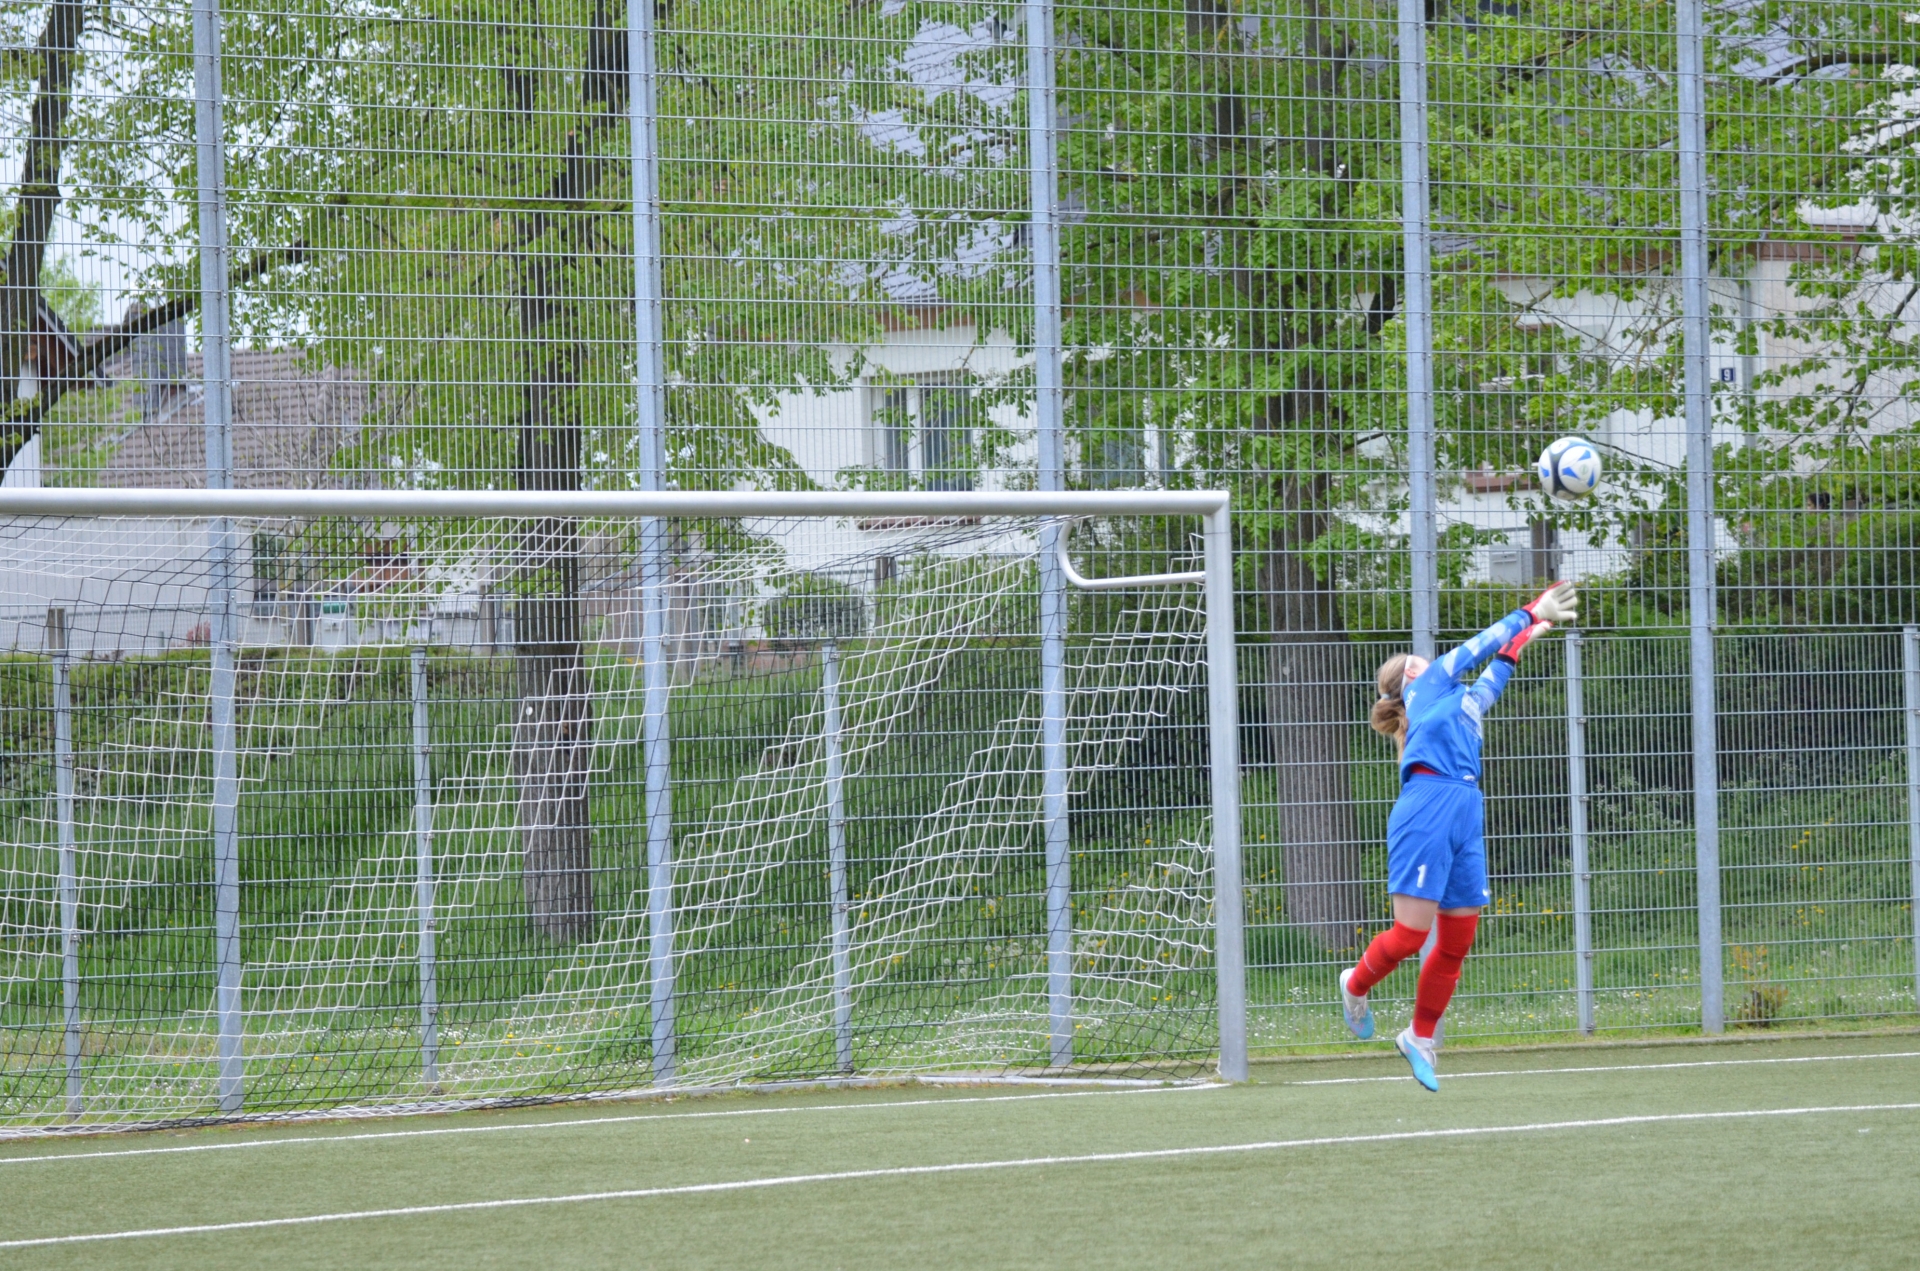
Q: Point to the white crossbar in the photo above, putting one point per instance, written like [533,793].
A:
[613,503]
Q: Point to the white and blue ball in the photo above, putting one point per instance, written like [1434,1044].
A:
[1569,468]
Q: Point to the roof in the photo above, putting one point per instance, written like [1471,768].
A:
[290,420]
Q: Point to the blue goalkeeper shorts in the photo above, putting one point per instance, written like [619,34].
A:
[1436,843]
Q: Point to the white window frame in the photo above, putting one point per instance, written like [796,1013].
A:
[915,387]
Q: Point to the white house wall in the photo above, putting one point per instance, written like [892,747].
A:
[828,436]
[129,585]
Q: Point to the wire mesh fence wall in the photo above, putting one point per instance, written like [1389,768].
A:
[1356,266]
[861,881]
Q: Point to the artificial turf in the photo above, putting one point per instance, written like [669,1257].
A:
[1827,1189]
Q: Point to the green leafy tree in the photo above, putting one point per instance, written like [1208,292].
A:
[1235,283]
[439,200]
[437,197]
[1559,164]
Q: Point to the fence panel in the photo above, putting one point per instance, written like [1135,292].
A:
[438,277]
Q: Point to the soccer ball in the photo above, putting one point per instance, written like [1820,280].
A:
[1569,468]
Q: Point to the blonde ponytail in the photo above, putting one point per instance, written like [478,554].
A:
[1389,714]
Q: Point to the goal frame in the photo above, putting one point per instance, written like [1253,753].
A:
[1055,510]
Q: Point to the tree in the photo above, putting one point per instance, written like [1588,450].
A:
[437,198]
[53,59]
[444,200]
[1233,281]
[1573,182]
[50,71]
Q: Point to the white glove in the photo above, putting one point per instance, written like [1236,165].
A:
[1557,604]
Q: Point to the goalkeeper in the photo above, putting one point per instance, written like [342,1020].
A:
[1436,852]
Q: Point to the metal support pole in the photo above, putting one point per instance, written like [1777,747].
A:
[68,864]
[1696,358]
[1577,799]
[1223,741]
[837,888]
[217,374]
[1418,250]
[1044,192]
[650,400]
[1910,648]
[423,871]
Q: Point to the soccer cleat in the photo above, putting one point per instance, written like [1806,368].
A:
[1419,1053]
[1358,1010]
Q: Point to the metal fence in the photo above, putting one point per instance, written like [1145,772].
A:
[1356,267]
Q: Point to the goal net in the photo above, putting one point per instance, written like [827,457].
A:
[372,801]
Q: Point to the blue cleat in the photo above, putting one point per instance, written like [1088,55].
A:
[1358,1010]
[1419,1053]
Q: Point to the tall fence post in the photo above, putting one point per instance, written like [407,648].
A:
[1044,187]
[837,886]
[1577,800]
[216,347]
[1417,247]
[1223,742]
[1696,357]
[68,863]
[423,870]
[1910,659]
[650,393]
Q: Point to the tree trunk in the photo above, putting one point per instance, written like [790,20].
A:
[39,199]
[1310,699]
[553,735]
[1310,709]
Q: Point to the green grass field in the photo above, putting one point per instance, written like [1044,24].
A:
[1780,1153]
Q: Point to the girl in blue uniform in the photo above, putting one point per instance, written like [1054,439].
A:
[1436,853]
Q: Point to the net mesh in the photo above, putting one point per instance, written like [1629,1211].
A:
[853,700]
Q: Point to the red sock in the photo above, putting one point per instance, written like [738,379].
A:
[1441,972]
[1389,949]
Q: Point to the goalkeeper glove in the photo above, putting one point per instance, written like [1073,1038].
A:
[1510,651]
[1557,603]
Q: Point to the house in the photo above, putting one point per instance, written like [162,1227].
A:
[906,419]
[140,585]
[1749,293]
[916,416]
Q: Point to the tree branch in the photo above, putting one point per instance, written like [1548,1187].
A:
[22,419]
[1824,61]
[39,198]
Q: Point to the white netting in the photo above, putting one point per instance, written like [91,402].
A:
[534,708]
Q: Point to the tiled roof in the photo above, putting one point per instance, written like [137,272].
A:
[289,421]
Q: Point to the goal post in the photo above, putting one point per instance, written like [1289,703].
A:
[348,799]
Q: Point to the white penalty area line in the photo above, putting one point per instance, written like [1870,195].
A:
[577,1122]
[1689,1063]
[960,1167]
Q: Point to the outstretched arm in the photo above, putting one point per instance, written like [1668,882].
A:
[1493,681]
[1482,646]
[1556,604]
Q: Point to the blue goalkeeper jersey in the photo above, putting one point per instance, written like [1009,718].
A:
[1444,714]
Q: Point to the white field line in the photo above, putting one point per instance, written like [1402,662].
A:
[1691,1063]
[877,1105]
[887,1105]
[959,1167]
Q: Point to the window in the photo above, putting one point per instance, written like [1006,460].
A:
[1115,459]
[892,426]
[269,573]
[923,428]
